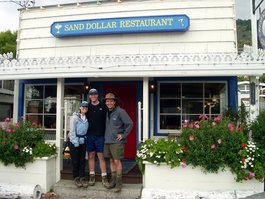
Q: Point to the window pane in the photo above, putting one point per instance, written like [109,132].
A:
[50,106]
[34,92]
[170,121]
[170,90]
[213,90]
[170,106]
[9,85]
[6,111]
[192,106]
[212,107]
[50,91]
[36,118]
[190,118]
[74,91]
[50,121]
[34,106]
[192,90]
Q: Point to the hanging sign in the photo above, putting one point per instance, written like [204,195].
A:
[123,25]
[261,29]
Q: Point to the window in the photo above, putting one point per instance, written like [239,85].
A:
[40,104]
[180,102]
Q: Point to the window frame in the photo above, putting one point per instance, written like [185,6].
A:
[166,131]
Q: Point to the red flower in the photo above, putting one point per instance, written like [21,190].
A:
[17,124]
[243,145]
[185,125]
[191,125]
[184,149]
[243,159]
[238,129]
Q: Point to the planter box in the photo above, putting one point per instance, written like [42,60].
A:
[193,182]
[40,172]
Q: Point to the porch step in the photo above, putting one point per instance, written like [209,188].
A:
[65,189]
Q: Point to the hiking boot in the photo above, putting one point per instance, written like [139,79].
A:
[84,182]
[118,185]
[92,179]
[77,182]
[112,180]
[105,182]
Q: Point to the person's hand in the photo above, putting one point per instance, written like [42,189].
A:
[119,137]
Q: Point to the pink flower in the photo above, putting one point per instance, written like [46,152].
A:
[191,125]
[8,130]
[218,118]
[191,137]
[17,124]
[197,125]
[219,141]
[183,165]
[7,119]
[238,129]
[202,116]
[185,125]
[34,123]
[5,124]
[24,117]
[213,123]
[16,146]
[231,127]
[213,146]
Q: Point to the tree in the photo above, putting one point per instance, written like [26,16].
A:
[8,42]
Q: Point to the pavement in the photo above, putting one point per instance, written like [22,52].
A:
[256,196]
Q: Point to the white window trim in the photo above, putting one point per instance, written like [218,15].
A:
[166,131]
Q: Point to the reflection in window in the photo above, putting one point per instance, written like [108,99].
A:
[182,102]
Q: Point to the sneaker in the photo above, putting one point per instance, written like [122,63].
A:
[112,183]
[92,180]
[105,182]
[84,182]
[77,182]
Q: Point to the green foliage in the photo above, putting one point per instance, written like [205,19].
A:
[243,33]
[216,142]
[22,142]
[213,145]
[159,151]
[8,42]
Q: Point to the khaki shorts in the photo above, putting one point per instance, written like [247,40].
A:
[114,151]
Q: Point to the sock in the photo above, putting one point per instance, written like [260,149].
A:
[104,174]
[92,173]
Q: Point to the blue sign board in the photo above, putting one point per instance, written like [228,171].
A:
[123,25]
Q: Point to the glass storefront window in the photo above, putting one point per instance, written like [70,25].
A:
[41,103]
[182,102]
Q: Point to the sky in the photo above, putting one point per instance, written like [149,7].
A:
[9,14]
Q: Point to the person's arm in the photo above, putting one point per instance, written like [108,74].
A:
[127,123]
[73,138]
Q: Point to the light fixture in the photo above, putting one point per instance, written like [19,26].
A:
[152,86]
[87,86]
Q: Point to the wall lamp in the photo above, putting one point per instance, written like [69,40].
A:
[152,87]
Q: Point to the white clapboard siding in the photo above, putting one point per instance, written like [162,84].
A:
[212,29]
[196,25]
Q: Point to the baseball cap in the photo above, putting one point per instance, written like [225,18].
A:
[93,91]
[84,104]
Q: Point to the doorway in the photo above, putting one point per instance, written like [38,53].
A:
[127,94]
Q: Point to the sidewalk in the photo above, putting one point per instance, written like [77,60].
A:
[256,196]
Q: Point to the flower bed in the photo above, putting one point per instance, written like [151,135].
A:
[212,147]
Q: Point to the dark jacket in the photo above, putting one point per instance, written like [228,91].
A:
[117,122]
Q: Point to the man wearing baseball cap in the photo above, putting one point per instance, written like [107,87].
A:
[95,138]
[118,126]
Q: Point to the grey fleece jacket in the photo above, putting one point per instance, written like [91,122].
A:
[119,122]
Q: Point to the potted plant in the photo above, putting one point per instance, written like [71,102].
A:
[25,156]
[211,155]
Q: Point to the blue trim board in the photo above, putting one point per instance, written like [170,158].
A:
[232,93]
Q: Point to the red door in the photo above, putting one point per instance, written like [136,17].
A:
[126,92]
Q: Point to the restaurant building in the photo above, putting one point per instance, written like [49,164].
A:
[168,61]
